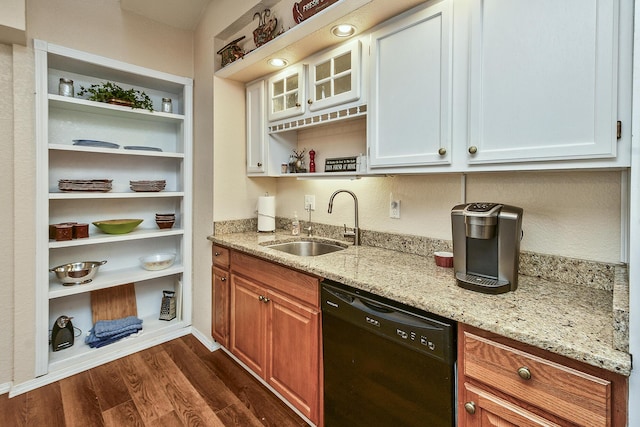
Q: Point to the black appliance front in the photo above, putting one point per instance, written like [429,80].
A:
[383,364]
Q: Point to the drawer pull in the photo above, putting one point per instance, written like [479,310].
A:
[473,149]
[524,373]
[223,279]
[442,151]
[470,407]
[217,254]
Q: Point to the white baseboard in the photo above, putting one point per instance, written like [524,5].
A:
[267,385]
[68,371]
[206,340]
[4,388]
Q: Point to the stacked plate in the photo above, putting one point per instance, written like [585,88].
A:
[148,185]
[165,220]
[85,184]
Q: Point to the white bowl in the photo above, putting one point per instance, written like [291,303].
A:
[157,261]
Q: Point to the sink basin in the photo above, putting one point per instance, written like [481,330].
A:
[307,248]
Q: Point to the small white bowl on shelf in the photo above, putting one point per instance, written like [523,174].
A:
[157,261]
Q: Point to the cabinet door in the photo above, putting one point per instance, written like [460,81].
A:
[248,323]
[479,408]
[293,343]
[256,129]
[334,77]
[286,93]
[409,121]
[220,306]
[543,80]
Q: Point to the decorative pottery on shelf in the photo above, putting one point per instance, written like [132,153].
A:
[231,52]
[267,30]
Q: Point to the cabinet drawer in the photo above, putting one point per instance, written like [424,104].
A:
[291,282]
[570,394]
[220,256]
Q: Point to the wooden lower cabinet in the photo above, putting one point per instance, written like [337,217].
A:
[274,332]
[220,295]
[505,383]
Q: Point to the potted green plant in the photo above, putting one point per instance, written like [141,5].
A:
[113,94]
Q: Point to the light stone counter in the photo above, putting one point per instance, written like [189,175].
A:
[567,319]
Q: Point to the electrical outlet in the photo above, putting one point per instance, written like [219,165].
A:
[309,202]
[394,209]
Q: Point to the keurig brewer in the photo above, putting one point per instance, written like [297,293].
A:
[486,246]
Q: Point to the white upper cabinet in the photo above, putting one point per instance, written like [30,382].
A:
[334,77]
[543,80]
[409,117]
[287,93]
[256,129]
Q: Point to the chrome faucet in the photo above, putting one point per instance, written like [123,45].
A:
[309,227]
[356,231]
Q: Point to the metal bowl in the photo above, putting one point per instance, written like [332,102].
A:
[75,273]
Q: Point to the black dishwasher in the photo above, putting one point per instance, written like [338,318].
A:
[385,364]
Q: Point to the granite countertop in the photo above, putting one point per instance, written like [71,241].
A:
[570,320]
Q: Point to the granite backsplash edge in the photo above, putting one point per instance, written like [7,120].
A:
[611,277]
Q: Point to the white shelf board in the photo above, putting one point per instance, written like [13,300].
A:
[108,279]
[80,353]
[83,105]
[327,175]
[120,151]
[99,238]
[78,195]
[244,70]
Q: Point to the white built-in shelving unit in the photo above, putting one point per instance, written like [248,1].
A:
[60,120]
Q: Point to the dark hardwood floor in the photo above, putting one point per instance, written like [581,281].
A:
[178,383]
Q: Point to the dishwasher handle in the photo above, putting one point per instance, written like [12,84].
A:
[357,303]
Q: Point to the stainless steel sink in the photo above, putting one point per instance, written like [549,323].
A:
[307,248]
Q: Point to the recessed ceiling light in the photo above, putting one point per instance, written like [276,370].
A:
[277,62]
[343,30]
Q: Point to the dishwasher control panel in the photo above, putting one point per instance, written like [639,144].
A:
[417,330]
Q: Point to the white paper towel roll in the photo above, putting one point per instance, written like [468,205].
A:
[266,213]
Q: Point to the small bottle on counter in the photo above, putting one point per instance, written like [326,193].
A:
[65,87]
[167,107]
[295,224]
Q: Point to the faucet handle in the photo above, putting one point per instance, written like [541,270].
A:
[348,233]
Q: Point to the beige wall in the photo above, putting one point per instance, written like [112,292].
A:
[572,214]
[6,204]
[101,27]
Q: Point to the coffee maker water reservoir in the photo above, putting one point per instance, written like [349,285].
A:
[486,246]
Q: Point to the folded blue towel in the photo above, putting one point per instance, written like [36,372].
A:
[97,343]
[107,328]
[108,331]
[92,337]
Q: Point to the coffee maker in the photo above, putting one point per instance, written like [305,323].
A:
[486,246]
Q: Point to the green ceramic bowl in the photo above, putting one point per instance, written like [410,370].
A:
[117,226]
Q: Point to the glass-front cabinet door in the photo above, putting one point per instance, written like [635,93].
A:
[335,77]
[286,93]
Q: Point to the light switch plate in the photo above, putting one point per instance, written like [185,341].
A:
[309,202]
[394,209]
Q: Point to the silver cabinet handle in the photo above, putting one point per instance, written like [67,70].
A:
[524,373]
[473,149]
[470,407]
[442,151]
